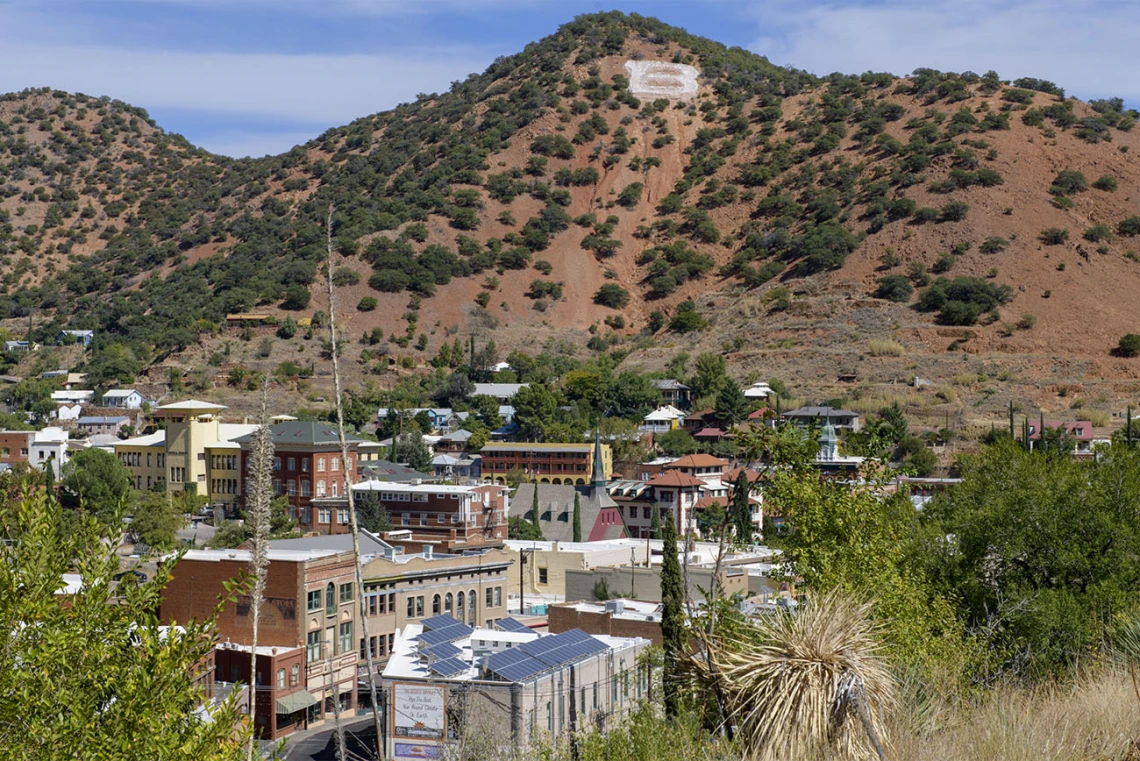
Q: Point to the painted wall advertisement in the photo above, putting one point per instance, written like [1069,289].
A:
[418,713]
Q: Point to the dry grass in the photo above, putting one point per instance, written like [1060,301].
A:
[877,347]
[875,402]
[1098,418]
[1094,720]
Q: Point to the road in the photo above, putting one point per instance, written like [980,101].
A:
[359,736]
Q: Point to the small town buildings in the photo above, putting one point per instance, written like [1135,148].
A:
[673,392]
[812,416]
[456,442]
[598,513]
[123,398]
[96,424]
[758,392]
[662,420]
[72,396]
[84,337]
[457,467]
[546,463]
[15,446]
[473,515]
[307,465]
[1079,432]
[619,618]
[512,686]
[48,448]
[540,566]
[281,702]
[17,346]
[310,602]
[503,392]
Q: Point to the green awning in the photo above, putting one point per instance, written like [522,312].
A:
[298,701]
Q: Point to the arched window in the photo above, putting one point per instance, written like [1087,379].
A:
[459,606]
[330,599]
[435,605]
[471,608]
[447,603]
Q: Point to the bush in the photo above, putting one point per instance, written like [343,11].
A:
[366,304]
[296,297]
[925,214]
[960,301]
[612,295]
[1129,345]
[552,145]
[1106,183]
[885,348]
[1053,236]
[687,321]
[1129,227]
[1068,181]
[955,211]
[895,288]
[993,245]
[1097,233]
[345,276]
[631,196]
[389,281]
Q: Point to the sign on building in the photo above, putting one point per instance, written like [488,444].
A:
[418,713]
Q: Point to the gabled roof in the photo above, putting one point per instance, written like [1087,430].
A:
[192,405]
[498,390]
[817,412]
[709,433]
[101,419]
[1071,427]
[391,472]
[556,510]
[697,461]
[675,479]
[669,384]
[119,393]
[666,412]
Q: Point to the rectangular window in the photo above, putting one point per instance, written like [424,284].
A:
[306,489]
[419,607]
[411,608]
[582,700]
[346,593]
[595,696]
[280,678]
[562,709]
[335,464]
[325,515]
[313,646]
[342,516]
[334,486]
[346,637]
[292,463]
[304,464]
[320,488]
[320,465]
[277,463]
[543,576]
[291,488]
[498,596]
[372,605]
[550,718]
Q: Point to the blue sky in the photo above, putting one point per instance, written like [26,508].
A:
[250,77]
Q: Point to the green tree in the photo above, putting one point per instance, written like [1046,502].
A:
[672,615]
[372,514]
[731,405]
[655,523]
[710,375]
[631,395]
[156,520]
[415,452]
[742,508]
[519,528]
[535,406]
[95,481]
[577,517]
[709,520]
[128,685]
[1129,345]
[677,442]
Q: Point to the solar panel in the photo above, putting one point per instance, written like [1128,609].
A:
[441,651]
[439,622]
[446,634]
[513,665]
[449,667]
[511,625]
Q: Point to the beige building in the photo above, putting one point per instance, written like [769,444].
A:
[193,451]
[541,567]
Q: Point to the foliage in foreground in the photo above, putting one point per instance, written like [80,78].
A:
[97,677]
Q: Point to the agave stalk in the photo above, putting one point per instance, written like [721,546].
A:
[354,526]
[802,685]
[260,496]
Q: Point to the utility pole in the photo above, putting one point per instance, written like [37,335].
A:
[632,573]
[573,718]
[522,580]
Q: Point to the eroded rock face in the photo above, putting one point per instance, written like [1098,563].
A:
[662,79]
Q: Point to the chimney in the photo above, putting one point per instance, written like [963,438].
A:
[390,553]
[427,552]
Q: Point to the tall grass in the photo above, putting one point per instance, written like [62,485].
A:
[877,347]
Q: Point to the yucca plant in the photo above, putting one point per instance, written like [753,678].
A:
[802,685]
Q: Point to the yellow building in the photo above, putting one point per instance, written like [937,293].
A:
[193,452]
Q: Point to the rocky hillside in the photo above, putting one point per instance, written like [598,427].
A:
[943,225]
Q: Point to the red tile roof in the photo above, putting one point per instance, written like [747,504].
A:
[675,478]
[1085,427]
[697,461]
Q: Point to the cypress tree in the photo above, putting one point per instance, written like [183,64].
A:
[672,615]
[534,506]
[655,524]
[577,517]
[742,508]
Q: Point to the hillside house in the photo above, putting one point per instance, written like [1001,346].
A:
[815,417]
[758,392]
[673,392]
[1080,432]
[123,398]
[503,392]
[662,420]
[83,337]
[96,424]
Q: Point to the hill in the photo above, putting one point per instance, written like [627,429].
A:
[546,203]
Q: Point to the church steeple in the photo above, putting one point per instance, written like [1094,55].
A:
[598,477]
[828,441]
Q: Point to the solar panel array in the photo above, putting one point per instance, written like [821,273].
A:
[511,625]
[446,634]
[543,654]
[440,622]
[441,651]
[449,667]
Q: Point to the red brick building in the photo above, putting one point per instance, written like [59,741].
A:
[280,700]
[615,618]
[307,465]
[310,603]
[442,512]
[14,447]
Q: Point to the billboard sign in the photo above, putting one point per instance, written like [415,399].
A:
[418,711]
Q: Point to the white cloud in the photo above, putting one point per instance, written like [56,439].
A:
[308,88]
[1086,47]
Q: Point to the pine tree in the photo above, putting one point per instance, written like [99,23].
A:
[534,507]
[672,616]
[655,524]
[742,508]
[577,517]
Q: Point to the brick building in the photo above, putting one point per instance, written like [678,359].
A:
[442,512]
[617,618]
[310,603]
[545,463]
[307,465]
[280,699]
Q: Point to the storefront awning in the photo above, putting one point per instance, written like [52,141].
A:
[298,701]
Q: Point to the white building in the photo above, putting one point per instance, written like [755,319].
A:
[759,390]
[662,420]
[504,392]
[48,448]
[125,398]
[72,396]
[508,684]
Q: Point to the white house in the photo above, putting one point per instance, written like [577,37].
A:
[125,398]
[759,390]
[84,337]
[72,396]
[501,391]
[48,448]
[67,412]
[662,420]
